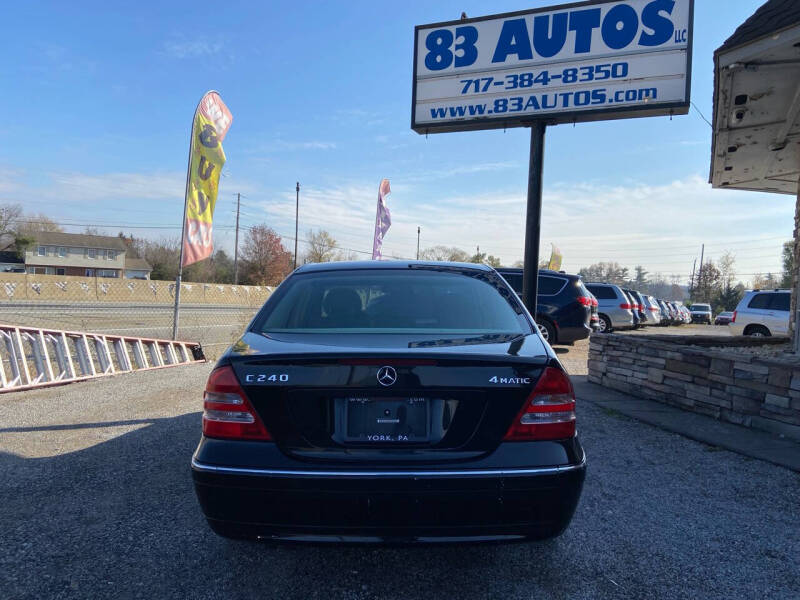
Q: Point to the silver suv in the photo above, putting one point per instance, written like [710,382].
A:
[701,313]
[762,313]
[613,307]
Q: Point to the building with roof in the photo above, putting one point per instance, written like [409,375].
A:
[756,137]
[137,268]
[82,255]
[756,142]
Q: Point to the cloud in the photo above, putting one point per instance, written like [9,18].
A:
[660,226]
[191,48]
[79,186]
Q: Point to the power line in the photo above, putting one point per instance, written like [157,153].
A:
[702,116]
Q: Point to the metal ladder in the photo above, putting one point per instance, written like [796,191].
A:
[32,357]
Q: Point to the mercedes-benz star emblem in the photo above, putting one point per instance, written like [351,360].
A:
[387,376]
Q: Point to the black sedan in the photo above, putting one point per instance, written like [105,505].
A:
[389,402]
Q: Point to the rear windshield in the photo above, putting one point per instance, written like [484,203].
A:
[393,301]
[603,292]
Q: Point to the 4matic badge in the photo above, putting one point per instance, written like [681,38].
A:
[510,380]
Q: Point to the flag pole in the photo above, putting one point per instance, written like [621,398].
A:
[175,312]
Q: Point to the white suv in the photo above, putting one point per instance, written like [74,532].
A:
[762,313]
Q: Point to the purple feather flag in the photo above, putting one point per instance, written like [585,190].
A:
[383,219]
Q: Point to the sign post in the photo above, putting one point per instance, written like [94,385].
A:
[533,219]
[589,61]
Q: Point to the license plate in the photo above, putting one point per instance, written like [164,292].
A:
[382,420]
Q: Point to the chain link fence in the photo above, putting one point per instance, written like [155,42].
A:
[212,314]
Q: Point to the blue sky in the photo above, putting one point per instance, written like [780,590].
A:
[97,101]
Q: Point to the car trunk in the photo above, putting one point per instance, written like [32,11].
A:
[438,400]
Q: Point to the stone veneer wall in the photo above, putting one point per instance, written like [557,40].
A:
[762,393]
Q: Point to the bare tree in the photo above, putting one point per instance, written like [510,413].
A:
[34,224]
[321,247]
[726,269]
[346,255]
[444,253]
[265,260]
[9,217]
[606,272]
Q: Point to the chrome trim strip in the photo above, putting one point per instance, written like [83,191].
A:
[198,466]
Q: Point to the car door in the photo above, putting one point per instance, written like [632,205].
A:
[779,314]
[759,312]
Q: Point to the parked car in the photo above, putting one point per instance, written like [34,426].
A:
[677,315]
[389,401]
[687,314]
[563,304]
[637,319]
[653,310]
[667,316]
[762,313]
[614,307]
[723,318]
[638,304]
[701,313]
[594,318]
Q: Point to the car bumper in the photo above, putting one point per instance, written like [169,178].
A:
[568,335]
[464,505]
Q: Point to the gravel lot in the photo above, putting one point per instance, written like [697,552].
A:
[97,502]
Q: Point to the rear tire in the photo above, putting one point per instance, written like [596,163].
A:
[547,330]
[757,331]
[605,324]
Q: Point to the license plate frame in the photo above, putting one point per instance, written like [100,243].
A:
[383,420]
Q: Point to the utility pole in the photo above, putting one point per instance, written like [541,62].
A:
[700,270]
[691,281]
[418,230]
[296,220]
[236,244]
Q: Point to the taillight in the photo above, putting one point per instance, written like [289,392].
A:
[227,413]
[653,309]
[584,300]
[549,412]
[733,320]
[625,306]
[595,302]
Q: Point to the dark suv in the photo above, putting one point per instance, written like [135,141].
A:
[564,306]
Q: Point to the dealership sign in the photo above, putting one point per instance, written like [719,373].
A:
[572,63]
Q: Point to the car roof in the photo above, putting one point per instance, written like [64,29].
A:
[384,264]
